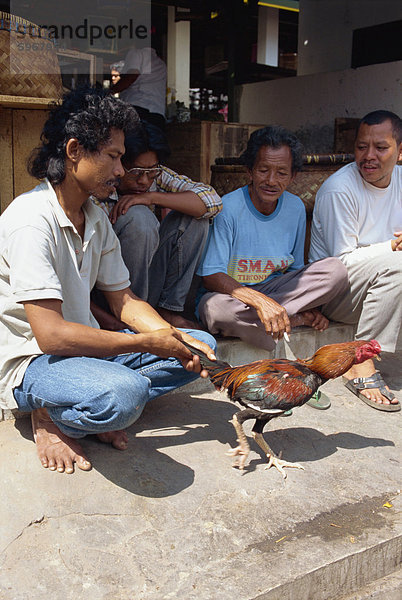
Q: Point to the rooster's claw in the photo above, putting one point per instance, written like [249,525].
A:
[274,461]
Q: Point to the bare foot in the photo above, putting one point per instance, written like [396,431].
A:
[118,439]
[177,319]
[56,450]
[366,369]
[310,318]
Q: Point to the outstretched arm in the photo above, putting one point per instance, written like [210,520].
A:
[187,203]
[57,336]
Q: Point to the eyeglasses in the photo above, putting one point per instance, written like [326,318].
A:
[138,171]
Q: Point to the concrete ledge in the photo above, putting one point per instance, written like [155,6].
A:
[304,341]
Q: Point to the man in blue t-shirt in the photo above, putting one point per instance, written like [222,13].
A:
[257,286]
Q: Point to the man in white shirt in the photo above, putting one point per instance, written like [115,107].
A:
[358,217]
[143,84]
[55,245]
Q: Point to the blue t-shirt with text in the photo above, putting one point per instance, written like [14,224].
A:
[252,247]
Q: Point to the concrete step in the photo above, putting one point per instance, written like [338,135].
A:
[304,341]
[386,588]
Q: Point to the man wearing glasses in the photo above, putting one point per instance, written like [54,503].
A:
[161,257]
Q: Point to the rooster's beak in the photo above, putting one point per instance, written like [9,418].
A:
[378,357]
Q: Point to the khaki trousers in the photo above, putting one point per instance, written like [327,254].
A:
[373,300]
[310,287]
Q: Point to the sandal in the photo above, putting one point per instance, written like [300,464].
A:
[319,401]
[374,381]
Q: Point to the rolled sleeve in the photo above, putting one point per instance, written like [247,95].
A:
[169,181]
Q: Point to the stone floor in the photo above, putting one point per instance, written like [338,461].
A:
[171,519]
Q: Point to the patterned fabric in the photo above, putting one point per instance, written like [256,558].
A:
[169,181]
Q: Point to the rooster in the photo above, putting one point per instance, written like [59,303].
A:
[268,388]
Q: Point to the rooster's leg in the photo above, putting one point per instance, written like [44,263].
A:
[273,460]
[243,449]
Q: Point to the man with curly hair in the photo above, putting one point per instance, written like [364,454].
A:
[55,246]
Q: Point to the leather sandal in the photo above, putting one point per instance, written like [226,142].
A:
[374,381]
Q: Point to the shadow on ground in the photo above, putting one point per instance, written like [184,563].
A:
[147,469]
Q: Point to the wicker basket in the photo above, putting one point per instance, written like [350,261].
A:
[35,69]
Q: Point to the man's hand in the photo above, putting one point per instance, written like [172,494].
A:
[396,244]
[271,314]
[124,203]
[166,343]
[194,363]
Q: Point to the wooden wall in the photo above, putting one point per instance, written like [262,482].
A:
[195,145]
[20,130]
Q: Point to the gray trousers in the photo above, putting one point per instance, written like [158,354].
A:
[161,258]
[373,300]
[310,287]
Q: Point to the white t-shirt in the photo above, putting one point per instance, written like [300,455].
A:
[42,256]
[149,89]
[353,219]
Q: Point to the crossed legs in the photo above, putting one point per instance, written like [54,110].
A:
[71,397]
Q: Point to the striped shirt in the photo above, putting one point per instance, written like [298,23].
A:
[169,181]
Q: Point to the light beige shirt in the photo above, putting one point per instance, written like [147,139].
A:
[42,256]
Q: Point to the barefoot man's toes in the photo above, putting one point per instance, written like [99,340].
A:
[118,439]
[56,450]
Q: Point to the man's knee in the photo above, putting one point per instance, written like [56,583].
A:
[140,222]
[391,263]
[120,401]
[217,314]
[184,225]
[335,272]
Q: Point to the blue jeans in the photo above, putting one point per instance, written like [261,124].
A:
[171,252]
[86,395]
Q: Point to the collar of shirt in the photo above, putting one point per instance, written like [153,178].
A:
[92,215]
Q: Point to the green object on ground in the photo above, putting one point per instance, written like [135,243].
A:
[319,401]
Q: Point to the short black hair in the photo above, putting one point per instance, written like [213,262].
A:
[149,139]
[273,136]
[379,116]
[87,114]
